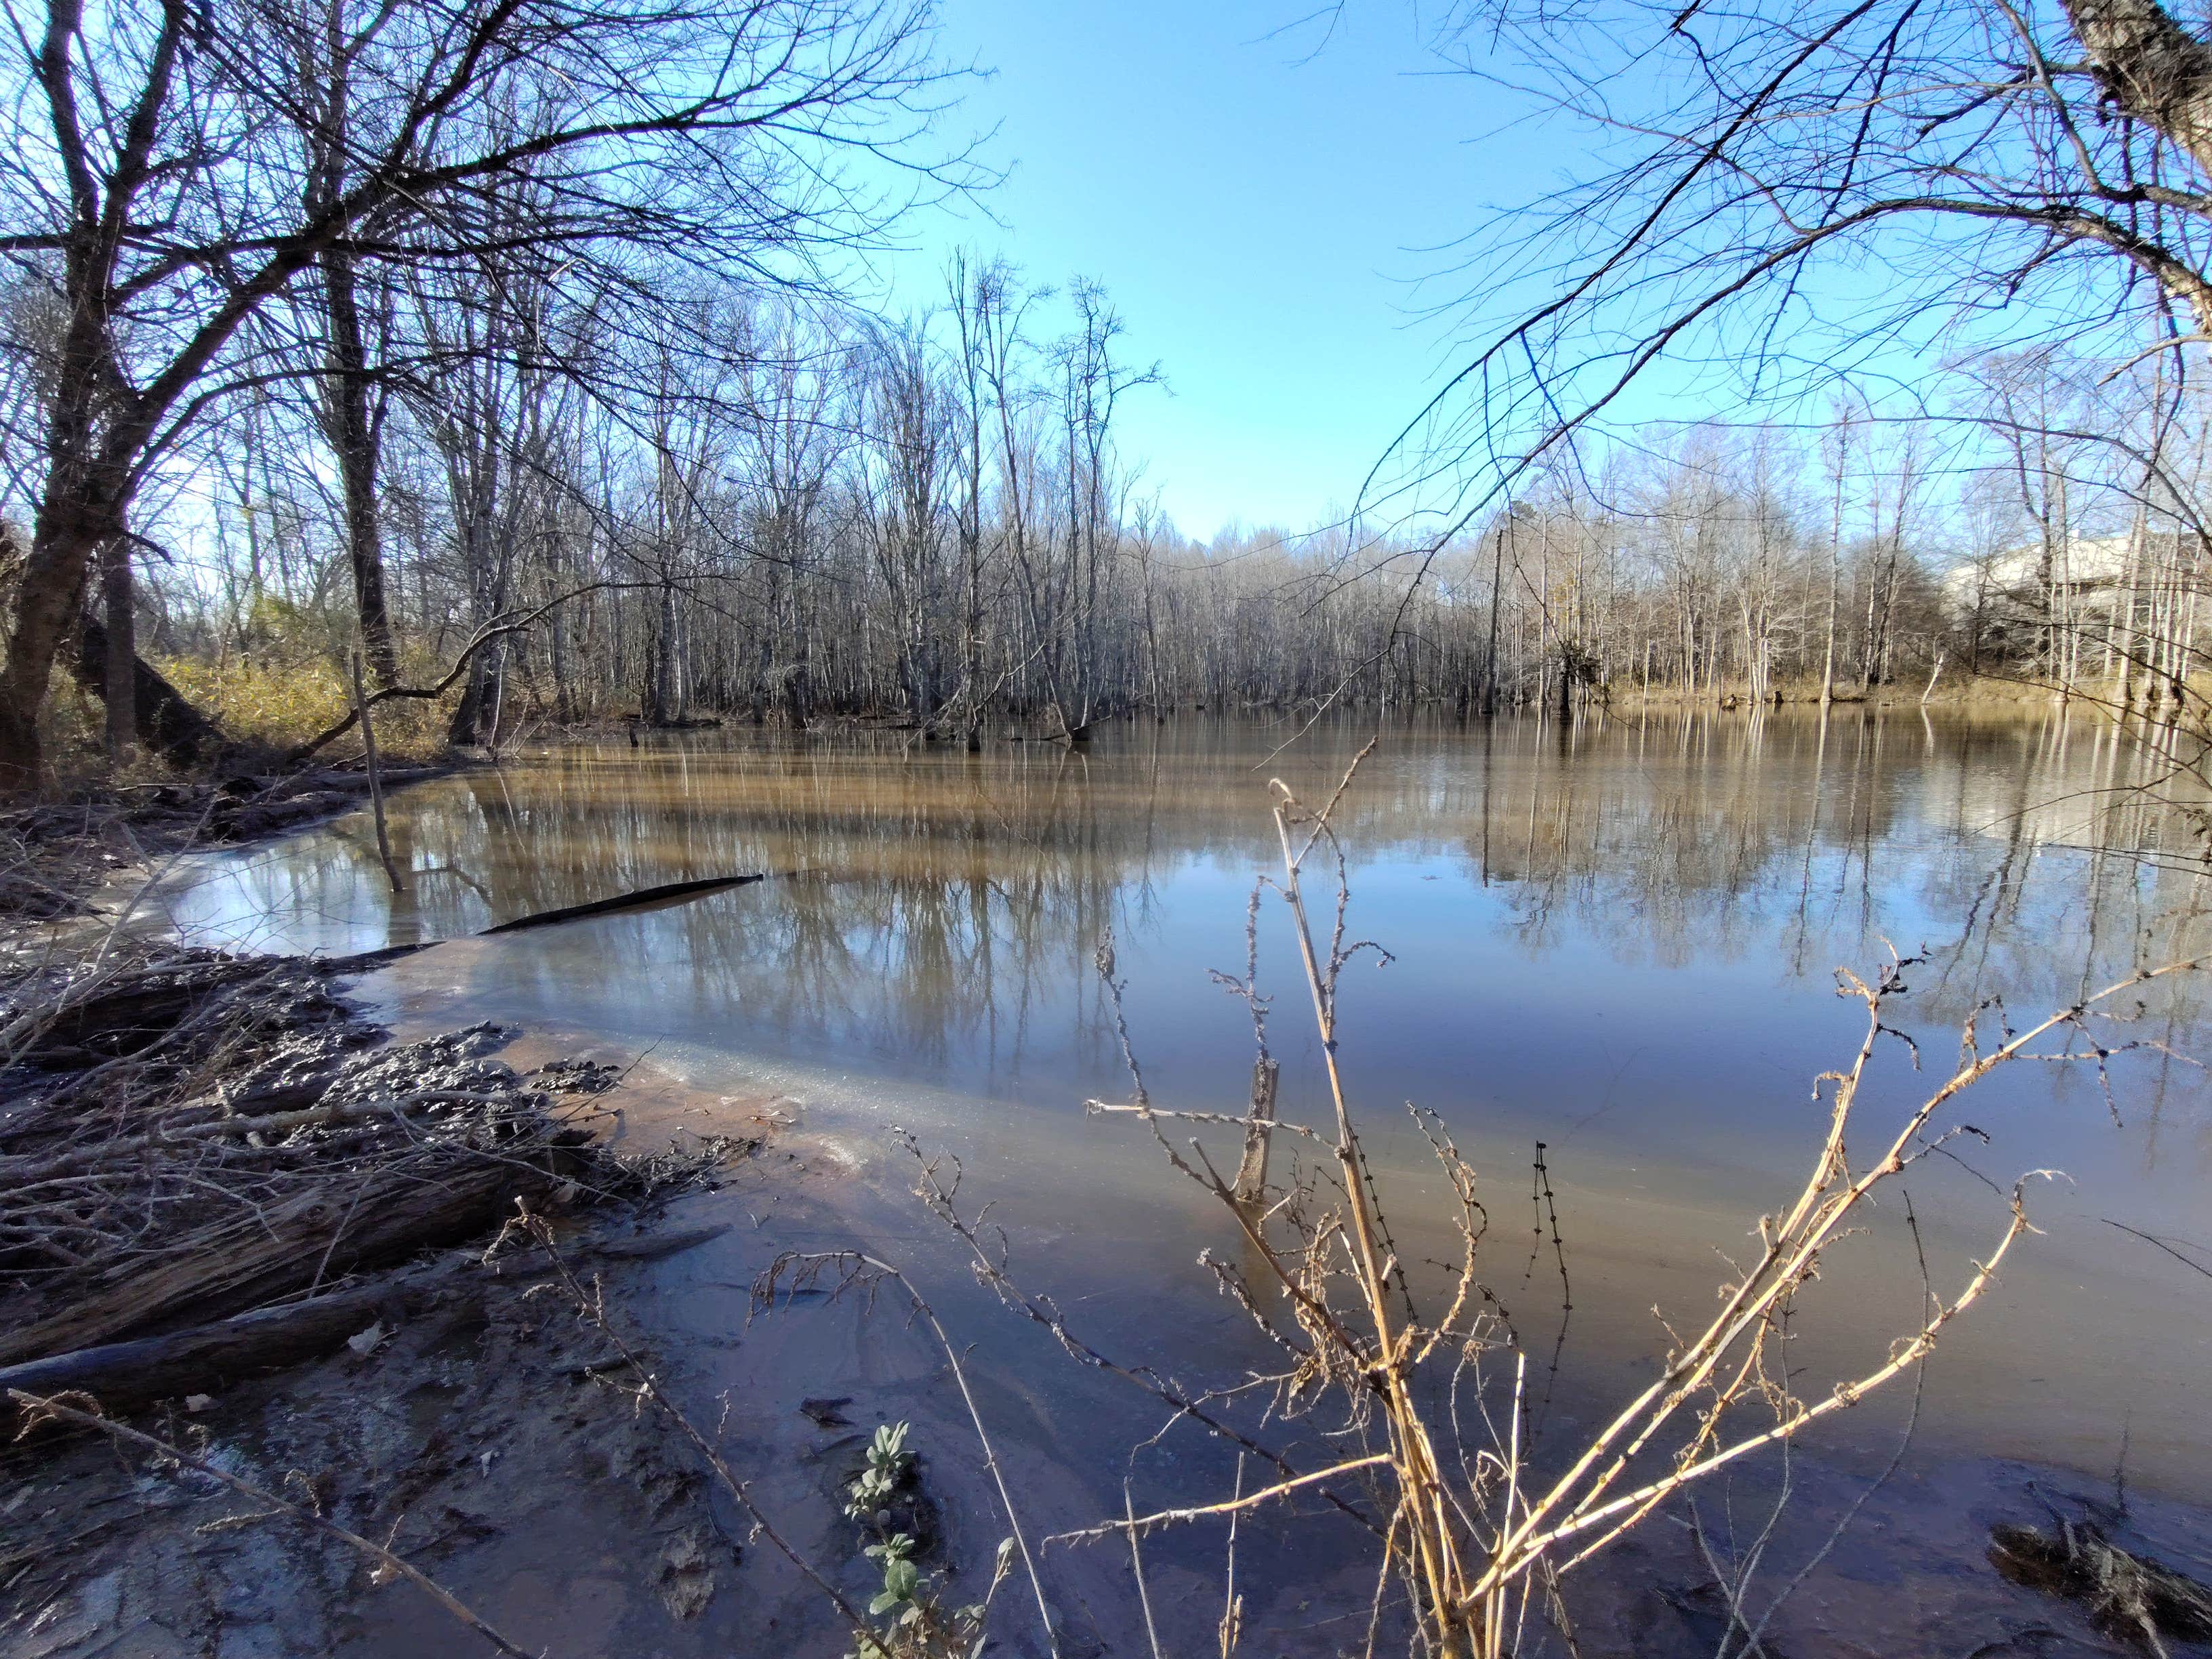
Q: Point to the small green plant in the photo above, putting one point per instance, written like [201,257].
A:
[916,1626]
[889,1465]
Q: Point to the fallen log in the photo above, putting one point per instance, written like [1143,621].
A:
[122,1375]
[654,1247]
[639,900]
[168,723]
[251,1260]
[215,1355]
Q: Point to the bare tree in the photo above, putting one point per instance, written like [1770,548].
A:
[151,194]
[1981,158]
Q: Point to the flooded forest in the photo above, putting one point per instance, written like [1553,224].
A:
[719,935]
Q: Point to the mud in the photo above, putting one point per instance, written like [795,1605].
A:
[501,1447]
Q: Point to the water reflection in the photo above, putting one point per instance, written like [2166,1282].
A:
[934,914]
[1616,937]
[944,888]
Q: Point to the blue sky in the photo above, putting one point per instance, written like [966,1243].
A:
[1263,204]
[1258,210]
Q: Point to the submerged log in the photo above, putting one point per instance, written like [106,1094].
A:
[2129,1595]
[639,900]
[1252,1173]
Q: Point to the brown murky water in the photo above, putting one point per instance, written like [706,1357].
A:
[1618,939]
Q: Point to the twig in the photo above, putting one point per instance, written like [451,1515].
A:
[36,1405]
[1165,1517]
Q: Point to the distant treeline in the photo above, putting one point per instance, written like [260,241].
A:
[934,524]
[510,350]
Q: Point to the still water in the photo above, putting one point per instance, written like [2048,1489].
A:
[1618,939]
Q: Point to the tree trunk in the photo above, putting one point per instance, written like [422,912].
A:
[2155,69]
[74,521]
[122,647]
[356,441]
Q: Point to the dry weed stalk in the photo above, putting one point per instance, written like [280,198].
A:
[1479,1540]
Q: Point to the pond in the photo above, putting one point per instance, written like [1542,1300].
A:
[1618,938]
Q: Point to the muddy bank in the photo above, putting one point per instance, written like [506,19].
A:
[229,1207]
[500,1446]
[492,1432]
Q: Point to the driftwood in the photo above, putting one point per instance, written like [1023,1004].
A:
[655,1246]
[322,1234]
[639,900]
[2128,1596]
[643,898]
[122,1375]
[207,1357]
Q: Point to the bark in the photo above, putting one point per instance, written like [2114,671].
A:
[2153,69]
[669,676]
[357,442]
[73,523]
[122,654]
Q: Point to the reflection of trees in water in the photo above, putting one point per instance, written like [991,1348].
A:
[933,904]
[2023,849]
[923,910]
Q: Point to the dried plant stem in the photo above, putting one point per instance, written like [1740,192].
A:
[1232,1605]
[1476,1552]
[1137,1566]
[1431,1527]
[1249,1500]
[1580,1499]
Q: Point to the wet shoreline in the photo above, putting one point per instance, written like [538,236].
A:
[843,1010]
